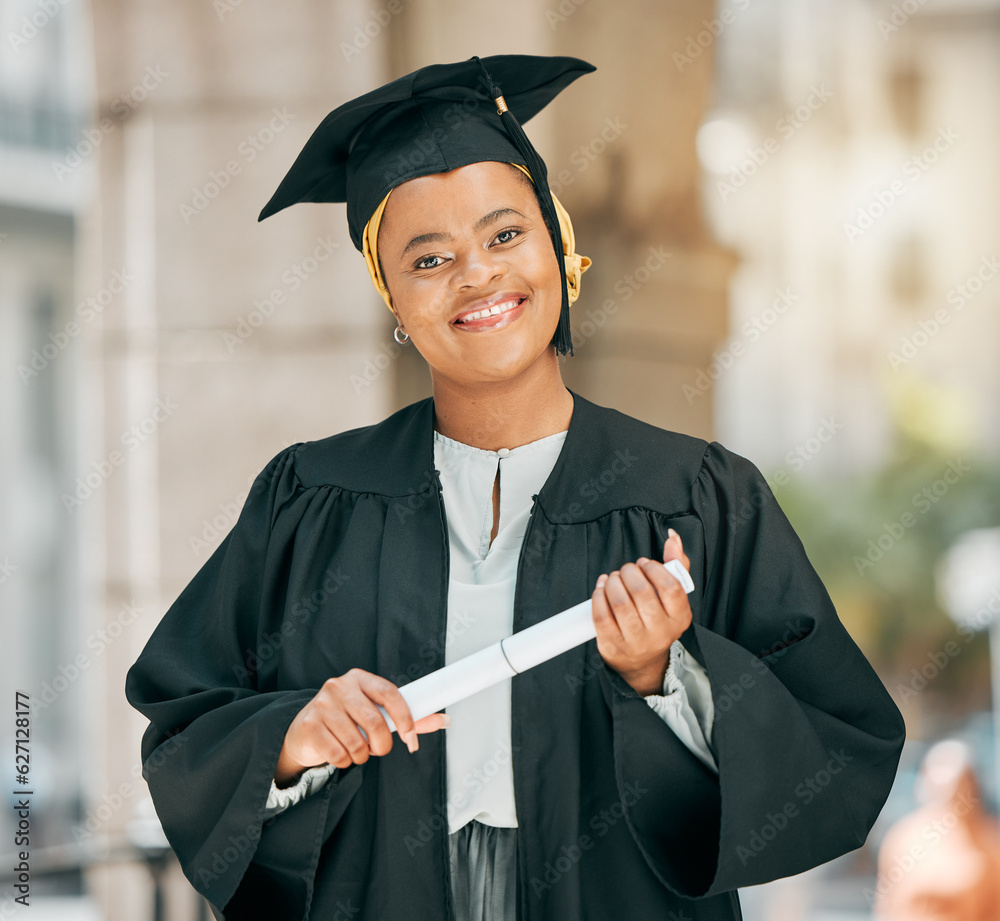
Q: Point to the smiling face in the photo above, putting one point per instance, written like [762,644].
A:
[459,245]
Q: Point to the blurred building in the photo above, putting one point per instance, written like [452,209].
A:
[850,157]
[44,111]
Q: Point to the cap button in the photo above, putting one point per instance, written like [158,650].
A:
[503,452]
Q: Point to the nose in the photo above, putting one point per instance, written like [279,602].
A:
[477,268]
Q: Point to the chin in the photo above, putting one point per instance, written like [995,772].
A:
[508,365]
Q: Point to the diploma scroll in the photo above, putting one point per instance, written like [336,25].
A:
[512,655]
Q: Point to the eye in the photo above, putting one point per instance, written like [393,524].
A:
[506,236]
[427,262]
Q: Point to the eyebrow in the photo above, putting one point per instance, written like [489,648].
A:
[439,237]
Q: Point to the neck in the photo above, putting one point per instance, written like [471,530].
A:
[504,414]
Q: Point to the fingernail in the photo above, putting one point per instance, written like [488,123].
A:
[672,533]
[601,580]
[445,721]
[411,741]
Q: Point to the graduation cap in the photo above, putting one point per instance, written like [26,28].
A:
[433,120]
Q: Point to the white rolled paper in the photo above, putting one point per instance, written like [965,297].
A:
[511,656]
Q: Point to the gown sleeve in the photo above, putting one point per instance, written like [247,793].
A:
[805,736]
[213,741]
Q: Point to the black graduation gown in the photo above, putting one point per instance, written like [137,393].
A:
[340,560]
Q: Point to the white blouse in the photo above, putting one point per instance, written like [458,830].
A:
[481,612]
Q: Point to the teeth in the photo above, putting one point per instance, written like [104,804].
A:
[489,311]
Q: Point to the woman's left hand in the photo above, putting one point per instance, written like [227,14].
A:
[639,611]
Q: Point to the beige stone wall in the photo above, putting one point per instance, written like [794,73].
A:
[625,163]
[235,338]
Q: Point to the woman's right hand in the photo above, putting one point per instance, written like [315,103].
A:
[325,730]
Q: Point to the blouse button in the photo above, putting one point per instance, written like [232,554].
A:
[503,452]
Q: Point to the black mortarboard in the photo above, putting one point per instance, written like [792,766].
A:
[433,120]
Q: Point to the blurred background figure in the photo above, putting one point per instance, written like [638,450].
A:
[942,862]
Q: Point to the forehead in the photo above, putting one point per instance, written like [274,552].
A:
[462,192]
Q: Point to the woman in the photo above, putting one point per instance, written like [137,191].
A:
[697,745]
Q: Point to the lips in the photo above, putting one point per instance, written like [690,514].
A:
[490,307]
